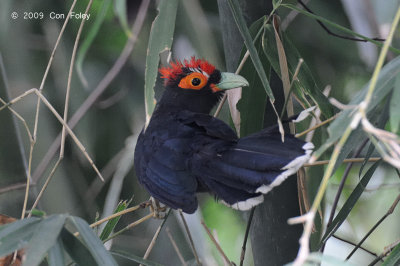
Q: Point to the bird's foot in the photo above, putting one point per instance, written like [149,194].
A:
[159,210]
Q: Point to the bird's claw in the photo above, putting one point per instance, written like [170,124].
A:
[158,209]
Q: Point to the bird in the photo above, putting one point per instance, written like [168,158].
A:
[184,150]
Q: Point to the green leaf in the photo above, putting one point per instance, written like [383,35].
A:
[384,85]
[38,213]
[350,202]
[87,42]
[16,235]
[276,3]
[306,80]
[93,243]
[382,120]
[395,106]
[394,257]
[16,226]
[76,249]
[337,26]
[120,11]
[370,150]
[56,254]
[241,23]
[134,258]
[113,222]
[253,101]
[161,36]
[358,135]
[44,238]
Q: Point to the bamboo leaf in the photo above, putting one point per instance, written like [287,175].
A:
[93,243]
[382,120]
[384,85]
[394,257]
[87,42]
[16,226]
[44,238]
[358,135]
[16,235]
[76,249]
[370,150]
[113,222]
[253,101]
[283,65]
[161,37]
[238,16]
[306,81]
[133,258]
[120,12]
[350,202]
[337,26]
[56,254]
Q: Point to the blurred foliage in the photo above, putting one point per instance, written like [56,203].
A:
[109,128]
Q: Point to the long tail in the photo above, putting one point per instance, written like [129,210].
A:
[239,173]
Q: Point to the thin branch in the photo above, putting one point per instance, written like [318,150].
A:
[59,118]
[190,238]
[175,247]
[335,34]
[316,126]
[246,235]
[32,145]
[120,213]
[17,115]
[52,172]
[244,59]
[370,188]
[113,99]
[291,86]
[316,119]
[141,220]
[304,201]
[156,234]
[65,111]
[304,250]
[48,67]
[388,213]
[386,252]
[349,160]
[353,244]
[104,83]
[341,186]
[117,214]
[71,69]
[216,244]
[12,187]
[96,185]
[290,17]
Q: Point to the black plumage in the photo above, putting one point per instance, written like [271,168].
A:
[184,150]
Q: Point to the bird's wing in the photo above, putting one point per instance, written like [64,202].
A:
[161,166]
[239,172]
[208,125]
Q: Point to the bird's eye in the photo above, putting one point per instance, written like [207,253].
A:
[194,81]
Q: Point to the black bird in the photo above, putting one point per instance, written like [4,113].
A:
[185,150]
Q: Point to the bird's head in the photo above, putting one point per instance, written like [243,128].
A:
[197,85]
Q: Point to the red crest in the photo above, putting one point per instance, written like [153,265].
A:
[176,68]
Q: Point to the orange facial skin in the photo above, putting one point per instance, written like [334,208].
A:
[194,81]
